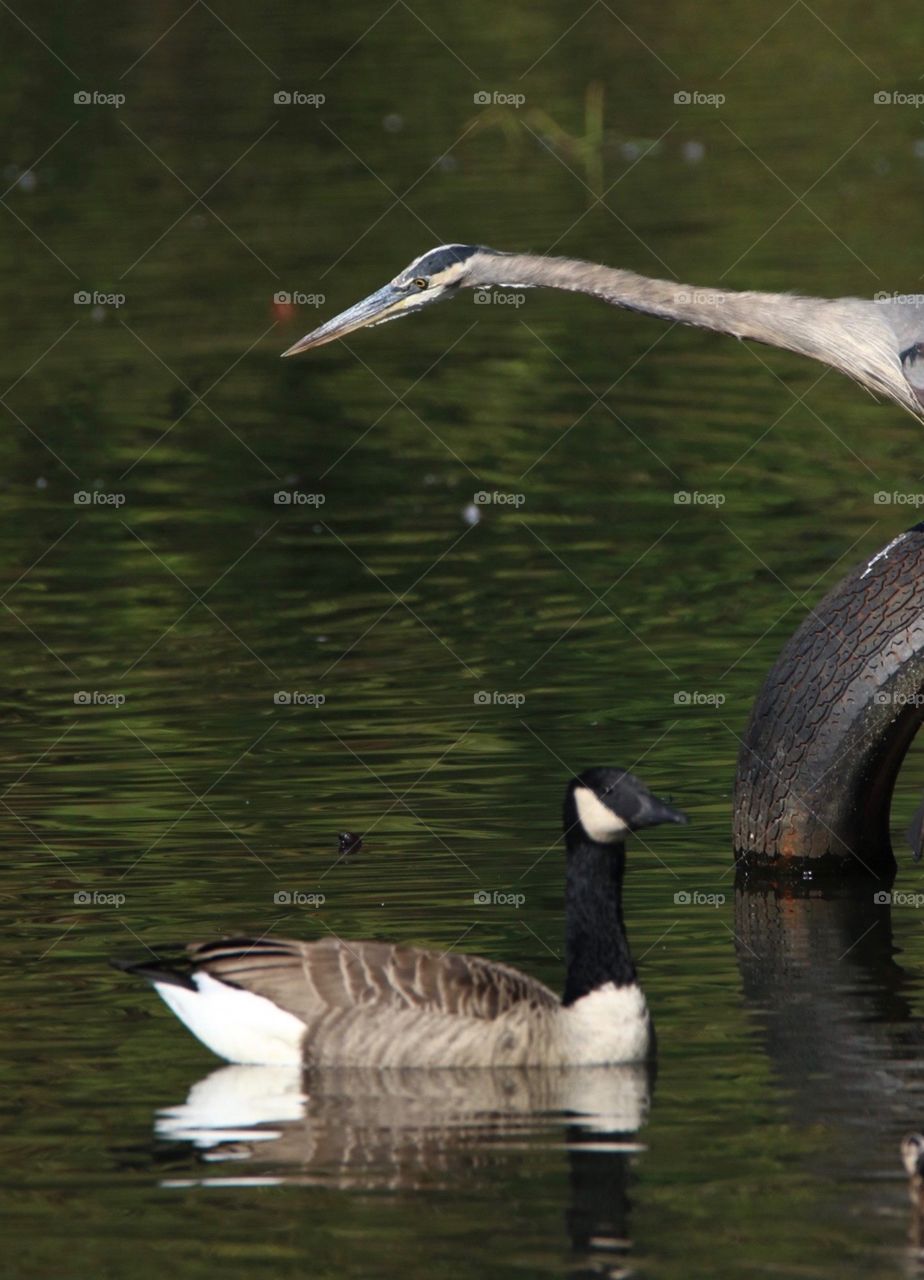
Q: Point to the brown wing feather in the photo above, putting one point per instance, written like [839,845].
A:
[306,978]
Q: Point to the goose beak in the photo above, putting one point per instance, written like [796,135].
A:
[385,304]
[659,811]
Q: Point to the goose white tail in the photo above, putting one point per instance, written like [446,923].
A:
[237,1025]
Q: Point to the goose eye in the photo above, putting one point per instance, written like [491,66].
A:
[421,282]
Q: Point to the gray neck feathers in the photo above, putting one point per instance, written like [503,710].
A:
[852,335]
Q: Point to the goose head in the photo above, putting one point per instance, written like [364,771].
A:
[913,1154]
[603,805]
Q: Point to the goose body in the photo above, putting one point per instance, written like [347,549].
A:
[334,1002]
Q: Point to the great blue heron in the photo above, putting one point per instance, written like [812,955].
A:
[879,343]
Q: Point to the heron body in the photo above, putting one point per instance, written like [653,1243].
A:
[878,343]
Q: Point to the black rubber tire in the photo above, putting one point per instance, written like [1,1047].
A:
[833,721]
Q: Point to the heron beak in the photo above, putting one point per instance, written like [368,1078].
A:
[384,304]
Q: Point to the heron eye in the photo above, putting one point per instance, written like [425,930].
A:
[421,282]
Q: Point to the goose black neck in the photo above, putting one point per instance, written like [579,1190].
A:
[596,946]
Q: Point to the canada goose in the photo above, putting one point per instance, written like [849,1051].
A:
[912,1150]
[372,1004]
[913,1155]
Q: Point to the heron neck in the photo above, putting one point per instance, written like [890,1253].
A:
[596,946]
[849,334]
[745,315]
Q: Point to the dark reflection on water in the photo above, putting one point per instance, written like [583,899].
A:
[465,666]
[819,973]
[400,1131]
[836,1017]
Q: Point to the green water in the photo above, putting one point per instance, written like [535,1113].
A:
[789,1030]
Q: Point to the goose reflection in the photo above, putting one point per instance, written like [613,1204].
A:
[912,1151]
[361,1129]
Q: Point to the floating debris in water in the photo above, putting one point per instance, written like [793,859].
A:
[349,842]
[471,514]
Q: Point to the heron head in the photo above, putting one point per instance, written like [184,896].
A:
[435,274]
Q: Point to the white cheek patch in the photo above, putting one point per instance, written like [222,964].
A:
[600,823]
